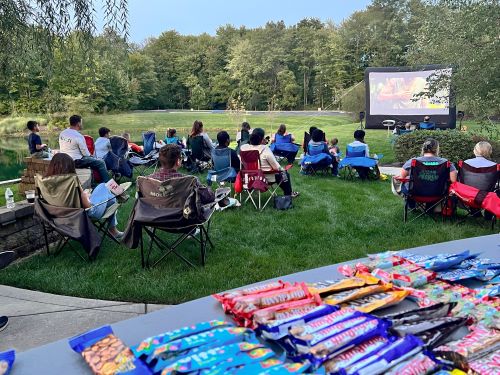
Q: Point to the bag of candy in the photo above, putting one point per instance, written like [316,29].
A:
[106,354]
[349,295]
[277,329]
[6,361]
[324,288]
[414,279]
[323,322]
[146,347]
[415,328]
[459,274]
[437,337]
[292,368]
[438,310]
[377,301]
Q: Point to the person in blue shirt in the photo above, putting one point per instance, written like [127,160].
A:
[36,147]
[173,138]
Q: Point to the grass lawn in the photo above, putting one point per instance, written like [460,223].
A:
[333,221]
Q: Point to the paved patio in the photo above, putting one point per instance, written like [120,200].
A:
[37,318]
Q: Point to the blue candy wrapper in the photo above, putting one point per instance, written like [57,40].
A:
[6,361]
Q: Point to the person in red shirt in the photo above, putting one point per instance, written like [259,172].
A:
[134,147]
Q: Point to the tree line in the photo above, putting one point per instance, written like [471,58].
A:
[274,67]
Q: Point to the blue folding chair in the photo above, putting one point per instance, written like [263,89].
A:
[427,126]
[284,148]
[223,171]
[316,160]
[356,159]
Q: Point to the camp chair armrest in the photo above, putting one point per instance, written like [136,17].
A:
[402,179]
[110,211]
[286,168]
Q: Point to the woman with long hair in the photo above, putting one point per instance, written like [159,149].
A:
[63,164]
[208,145]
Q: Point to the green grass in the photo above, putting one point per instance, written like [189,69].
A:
[333,221]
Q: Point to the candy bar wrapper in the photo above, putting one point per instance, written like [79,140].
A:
[456,275]
[165,354]
[383,261]
[6,361]
[477,341]
[279,328]
[305,342]
[106,354]
[377,301]
[414,328]
[324,288]
[452,372]
[420,364]
[218,360]
[227,298]
[323,322]
[246,305]
[415,258]
[488,275]
[445,261]
[349,270]
[472,263]
[394,353]
[334,345]
[414,279]
[489,365]
[436,337]
[256,367]
[147,346]
[349,295]
[438,310]
[355,354]
[293,368]
[447,296]
[277,313]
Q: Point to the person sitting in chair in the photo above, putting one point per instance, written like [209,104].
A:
[173,138]
[208,145]
[133,146]
[282,133]
[268,161]
[63,164]
[102,144]
[224,140]
[243,135]
[482,151]
[171,160]
[37,149]
[359,141]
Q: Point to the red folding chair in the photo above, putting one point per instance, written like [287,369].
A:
[254,179]
[96,177]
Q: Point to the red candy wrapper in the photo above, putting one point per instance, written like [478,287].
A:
[489,365]
[481,339]
[286,310]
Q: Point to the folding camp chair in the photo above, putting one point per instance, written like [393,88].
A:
[172,206]
[427,188]
[149,162]
[485,180]
[356,158]
[307,138]
[316,160]
[223,171]
[427,126]
[284,149]
[59,208]
[254,179]
[200,161]
[117,161]
[96,177]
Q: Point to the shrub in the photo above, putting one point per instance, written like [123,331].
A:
[453,144]
[354,101]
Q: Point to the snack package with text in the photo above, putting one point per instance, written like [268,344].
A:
[377,301]
[488,365]
[478,341]
[324,288]
[349,295]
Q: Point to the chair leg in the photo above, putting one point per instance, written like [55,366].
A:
[203,249]
[405,213]
[46,238]
[142,251]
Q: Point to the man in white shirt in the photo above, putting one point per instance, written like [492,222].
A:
[71,142]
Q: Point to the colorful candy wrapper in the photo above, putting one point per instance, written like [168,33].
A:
[488,291]
[445,261]
[415,328]
[106,354]
[415,258]
[384,260]
[394,353]
[324,288]
[413,279]
[218,360]
[349,295]
[488,275]
[256,367]
[279,328]
[147,346]
[6,361]
[377,301]
[332,346]
[456,275]
[489,365]
[436,337]
[472,263]
[476,342]
[292,368]
[323,322]
[438,310]
[226,298]
[452,372]
[355,354]
[305,342]
[420,364]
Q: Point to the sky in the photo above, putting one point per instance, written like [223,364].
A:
[149,18]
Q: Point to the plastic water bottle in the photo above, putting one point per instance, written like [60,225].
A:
[49,150]
[9,199]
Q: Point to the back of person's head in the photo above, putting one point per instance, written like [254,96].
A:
[334,141]
[427,118]
[103,131]
[31,125]
[169,154]
[75,120]
[282,129]
[359,135]
[257,136]
[245,126]
[408,125]
[60,164]
[430,146]
[197,128]
[223,138]
[171,132]
[317,135]
[483,149]
[312,129]
[126,136]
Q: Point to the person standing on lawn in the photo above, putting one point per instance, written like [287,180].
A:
[72,143]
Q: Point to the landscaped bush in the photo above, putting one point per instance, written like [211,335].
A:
[453,144]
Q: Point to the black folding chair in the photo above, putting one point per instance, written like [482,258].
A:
[199,159]
[428,184]
[173,206]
